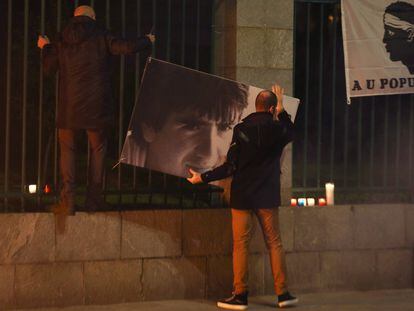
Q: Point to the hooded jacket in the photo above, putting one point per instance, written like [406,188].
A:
[254,160]
[81,55]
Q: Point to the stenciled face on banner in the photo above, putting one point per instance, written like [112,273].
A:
[399,33]
[183,119]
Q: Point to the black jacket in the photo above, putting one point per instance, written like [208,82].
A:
[254,161]
[82,56]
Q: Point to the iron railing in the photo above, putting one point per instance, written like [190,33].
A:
[365,148]
[29,148]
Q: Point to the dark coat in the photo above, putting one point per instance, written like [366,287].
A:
[82,56]
[254,161]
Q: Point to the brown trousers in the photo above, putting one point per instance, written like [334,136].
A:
[98,145]
[242,221]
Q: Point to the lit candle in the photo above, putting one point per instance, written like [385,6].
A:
[329,187]
[302,201]
[321,202]
[293,202]
[32,188]
[310,201]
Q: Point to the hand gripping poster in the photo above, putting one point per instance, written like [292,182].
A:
[378,46]
[184,119]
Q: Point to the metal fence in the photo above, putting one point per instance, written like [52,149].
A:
[29,149]
[365,148]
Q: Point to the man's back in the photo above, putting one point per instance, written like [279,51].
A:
[82,57]
[260,142]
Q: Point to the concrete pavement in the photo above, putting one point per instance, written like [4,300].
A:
[398,300]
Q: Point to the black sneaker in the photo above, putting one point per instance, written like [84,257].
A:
[286,300]
[235,302]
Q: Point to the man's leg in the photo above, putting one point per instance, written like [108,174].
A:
[242,227]
[67,169]
[97,145]
[269,221]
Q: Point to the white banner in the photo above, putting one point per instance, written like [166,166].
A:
[378,40]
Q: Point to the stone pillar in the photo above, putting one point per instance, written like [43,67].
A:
[253,44]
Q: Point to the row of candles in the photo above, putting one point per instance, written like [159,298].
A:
[323,201]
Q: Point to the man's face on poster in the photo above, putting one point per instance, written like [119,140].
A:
[188,141]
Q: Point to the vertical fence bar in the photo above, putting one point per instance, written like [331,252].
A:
[107,25]
[385,163]
[40,131]
[168,56]
[154,24]
[182,62]
[305,139]
[183,34]
[410,147]
[398,142]
[24,101]
[359,141]
[121,100]
[137,83]
[334,51]
[346,135]
[197,62]
[8,103]
[56,142]
[372,143]
[320,91]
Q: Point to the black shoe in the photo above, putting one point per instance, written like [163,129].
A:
[286,300]
[235,302]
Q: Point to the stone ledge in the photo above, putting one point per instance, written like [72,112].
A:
[27,238]
[90,237]
[7,279]
[151,233]
[49,285]
[174,278]
[108,282]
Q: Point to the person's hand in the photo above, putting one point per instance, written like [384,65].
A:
[278,90]
[42,41]
[195,178]
[151,37]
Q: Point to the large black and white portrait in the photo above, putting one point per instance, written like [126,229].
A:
[184,119]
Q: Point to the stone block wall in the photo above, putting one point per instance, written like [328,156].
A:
[253,44]
[106,258]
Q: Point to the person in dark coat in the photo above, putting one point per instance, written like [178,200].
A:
[253,160]
[81,55]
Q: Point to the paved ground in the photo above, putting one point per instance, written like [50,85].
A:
[390,300]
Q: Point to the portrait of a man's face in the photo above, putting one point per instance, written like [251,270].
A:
[399,33]
[182,119]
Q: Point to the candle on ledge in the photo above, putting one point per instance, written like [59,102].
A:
[310,202]
[329,188]
[32,188]
[293,202]
[321,202]
[302,201]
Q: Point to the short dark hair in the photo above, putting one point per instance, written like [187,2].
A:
[265,99]
[183,90]
[402,10]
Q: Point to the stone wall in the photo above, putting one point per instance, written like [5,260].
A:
[253,44]
[115,257]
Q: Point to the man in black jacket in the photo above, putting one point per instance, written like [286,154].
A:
[253,160]
[82,56]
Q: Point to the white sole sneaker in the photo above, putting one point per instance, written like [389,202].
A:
[288,303]
[228,306]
